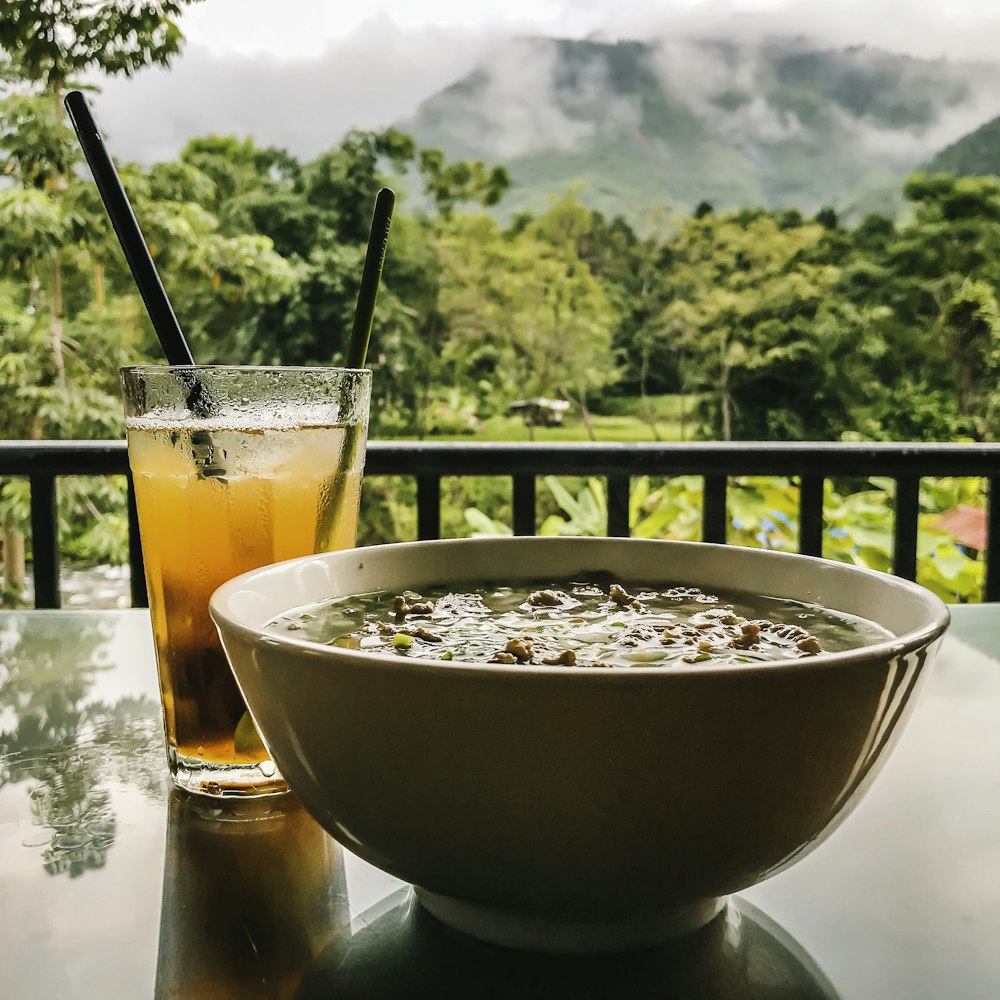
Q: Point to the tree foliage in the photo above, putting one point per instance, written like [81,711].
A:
[52,41]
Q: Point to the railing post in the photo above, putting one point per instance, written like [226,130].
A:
[618,503]
[904,541]
[428,507]
[811,514]
[524,504]
[713,514]
[991,586]
[44,540]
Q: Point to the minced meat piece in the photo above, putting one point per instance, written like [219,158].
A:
[567,658]
[500,657]
[622,597]
[520,649]
[400,608]
[548,598]
[416,631]
[635,634]
[785,630]
[419,632]
[749,636]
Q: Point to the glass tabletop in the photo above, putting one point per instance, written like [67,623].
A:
[112,885]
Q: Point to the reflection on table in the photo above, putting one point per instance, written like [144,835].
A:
[252,891]
[66,740]
[116,886]
[396,950]
[256,904]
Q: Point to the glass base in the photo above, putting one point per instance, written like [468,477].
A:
[202,777]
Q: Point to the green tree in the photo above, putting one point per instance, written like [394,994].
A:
[924,292]
[52,42]
[527,316]
[635,274]
[450,184]
[766,338]
[344,180]
[970,322]
[47,45]
[318,215]
[37,152]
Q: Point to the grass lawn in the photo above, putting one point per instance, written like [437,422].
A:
[621,424]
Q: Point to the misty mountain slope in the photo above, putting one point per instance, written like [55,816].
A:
[583,115]
[974,155]
[638,127]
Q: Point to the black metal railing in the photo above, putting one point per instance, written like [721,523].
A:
[809,464]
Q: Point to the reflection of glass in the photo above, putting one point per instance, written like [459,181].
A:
[397,950]
[234,468]
[253,890]
[64,745]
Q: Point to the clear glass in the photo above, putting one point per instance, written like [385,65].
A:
[234,468]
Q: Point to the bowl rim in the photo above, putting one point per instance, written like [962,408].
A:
[938,620]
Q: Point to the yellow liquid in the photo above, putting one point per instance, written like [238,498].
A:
[214,505]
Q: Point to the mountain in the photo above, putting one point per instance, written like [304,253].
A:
[974,155]
[640,127]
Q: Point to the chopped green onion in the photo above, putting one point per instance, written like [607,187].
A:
[698,658]
[447,655]
[401,641]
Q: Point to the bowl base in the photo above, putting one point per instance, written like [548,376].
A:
[530,930]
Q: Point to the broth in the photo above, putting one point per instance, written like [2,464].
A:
[591,622]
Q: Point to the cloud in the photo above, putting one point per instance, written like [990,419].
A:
[909,147]
[960,29]
[375,76]
[721,84]
[528,108]
[898,112]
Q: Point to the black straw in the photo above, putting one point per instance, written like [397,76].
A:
[116,202]
[378,237]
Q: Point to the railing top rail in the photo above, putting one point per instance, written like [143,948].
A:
[444,458]
[62,457]
[680,458]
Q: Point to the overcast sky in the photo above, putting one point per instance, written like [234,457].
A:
[300,73]
[305,27]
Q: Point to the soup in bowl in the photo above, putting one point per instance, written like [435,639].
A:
[577,744]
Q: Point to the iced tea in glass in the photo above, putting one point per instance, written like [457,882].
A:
[234,468]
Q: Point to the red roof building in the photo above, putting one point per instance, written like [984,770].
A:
[967,525]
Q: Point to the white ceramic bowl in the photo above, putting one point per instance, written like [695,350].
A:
[565,808]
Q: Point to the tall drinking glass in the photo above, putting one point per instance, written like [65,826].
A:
[234,468]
